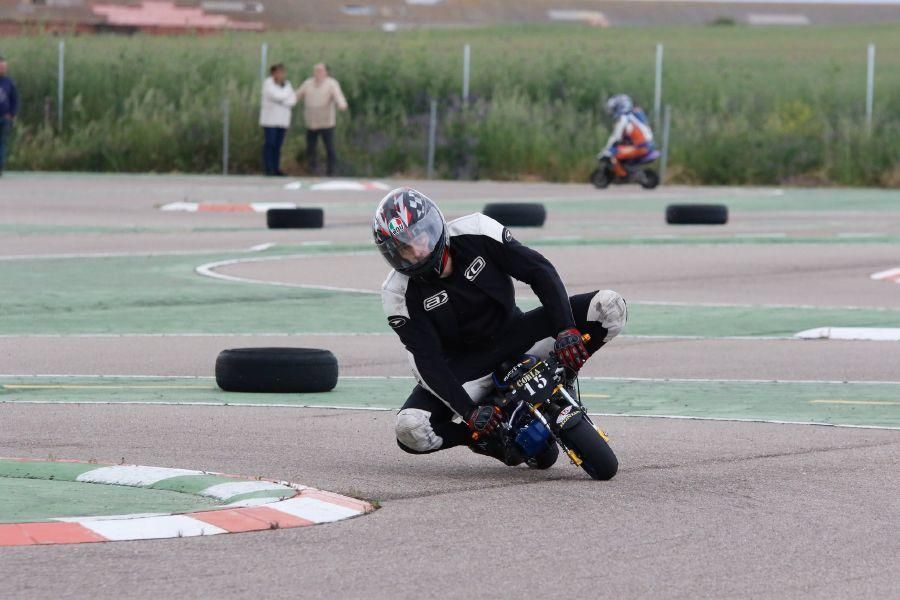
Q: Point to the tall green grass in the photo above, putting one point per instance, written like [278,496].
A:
[749,105]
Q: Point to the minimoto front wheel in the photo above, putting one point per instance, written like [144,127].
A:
[597,458]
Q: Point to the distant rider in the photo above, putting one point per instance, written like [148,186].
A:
[631,138]
[450,298]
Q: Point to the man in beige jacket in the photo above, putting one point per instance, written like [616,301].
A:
[320,94]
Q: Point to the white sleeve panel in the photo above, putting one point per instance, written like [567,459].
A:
[476,224]
[393,295]
[618,131]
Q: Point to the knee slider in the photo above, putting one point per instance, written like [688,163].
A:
[413,429]
[608,309]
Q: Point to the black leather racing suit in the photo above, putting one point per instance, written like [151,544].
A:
[458,329]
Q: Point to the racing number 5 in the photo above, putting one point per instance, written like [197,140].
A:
[541,382]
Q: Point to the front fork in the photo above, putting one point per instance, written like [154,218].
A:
[573,456]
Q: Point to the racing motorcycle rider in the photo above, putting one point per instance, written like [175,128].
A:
[450,298]
[631,138]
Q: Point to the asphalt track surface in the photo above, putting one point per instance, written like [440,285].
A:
[699,508]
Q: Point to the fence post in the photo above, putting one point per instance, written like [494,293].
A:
[870,87]
[657,88]
[432,130]
[225,136]
[60,83]
[263,60]
[467,56]
[664,160]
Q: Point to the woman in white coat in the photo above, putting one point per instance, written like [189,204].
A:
[278,98]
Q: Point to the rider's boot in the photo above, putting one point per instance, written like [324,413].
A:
[495,448]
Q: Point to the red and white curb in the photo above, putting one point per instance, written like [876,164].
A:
[252,505]
[341,185]
[224,207]
[889,275]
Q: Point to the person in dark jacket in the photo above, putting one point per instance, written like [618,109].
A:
[451,301]
[9,106]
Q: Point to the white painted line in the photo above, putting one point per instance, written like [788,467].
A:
[224,491]
[872,334]
[739,305]
[294,185]
[107,376]
[409,378]
[20,336]
[132,475]
[76,255]
[269,334]
[17,336]
[703,380]
[150,528]
[394,409]
[261,247]
[314,510]
[739,420]
[208,270]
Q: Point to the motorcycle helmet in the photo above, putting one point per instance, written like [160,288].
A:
[619,104]
[411,233]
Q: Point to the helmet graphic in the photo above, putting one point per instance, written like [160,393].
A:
[410,232]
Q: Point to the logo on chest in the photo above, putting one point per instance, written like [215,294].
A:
[432,302]
[474,269]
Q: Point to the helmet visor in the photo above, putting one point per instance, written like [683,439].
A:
[409,247]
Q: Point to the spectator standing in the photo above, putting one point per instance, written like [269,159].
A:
[278,98]
[9,106]
[321,94]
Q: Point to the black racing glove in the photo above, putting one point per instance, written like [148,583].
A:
[570,350]
[483,420]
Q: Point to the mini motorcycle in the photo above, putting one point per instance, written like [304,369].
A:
[637,171]
[541,408]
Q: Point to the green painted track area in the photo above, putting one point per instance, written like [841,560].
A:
[24,500]
[867,404]
[747,200]
[163,294]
